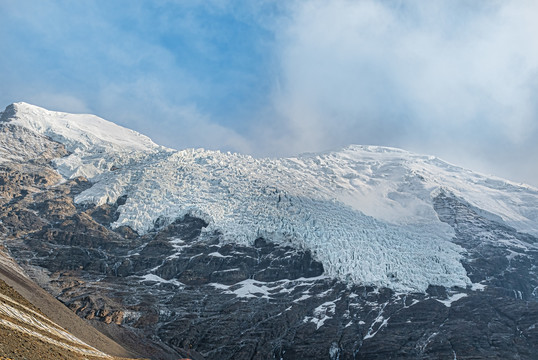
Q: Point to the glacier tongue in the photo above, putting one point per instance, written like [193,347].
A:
[365,212]
[246,198]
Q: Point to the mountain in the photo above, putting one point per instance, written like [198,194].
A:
[365,252]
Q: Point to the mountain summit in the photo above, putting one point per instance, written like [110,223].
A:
[76,131]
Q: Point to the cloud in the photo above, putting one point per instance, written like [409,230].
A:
[145,105]
[443,77]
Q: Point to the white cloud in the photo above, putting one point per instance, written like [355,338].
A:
[145,106]
[436,77]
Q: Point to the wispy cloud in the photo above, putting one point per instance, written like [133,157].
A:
[447,77]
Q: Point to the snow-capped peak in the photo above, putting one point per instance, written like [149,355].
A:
[365,212]
[77,131]
[91,141]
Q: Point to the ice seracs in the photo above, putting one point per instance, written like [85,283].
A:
[365,212]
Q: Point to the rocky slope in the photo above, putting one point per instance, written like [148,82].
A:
[366,253]
[34,325]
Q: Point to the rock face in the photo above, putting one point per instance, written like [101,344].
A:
[182,291]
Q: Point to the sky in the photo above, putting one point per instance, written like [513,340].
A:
[453,78]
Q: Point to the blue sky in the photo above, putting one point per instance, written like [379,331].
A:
[457,79]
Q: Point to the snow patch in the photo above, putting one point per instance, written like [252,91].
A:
[220,286]
[160,280]
[219,255]
[302,298]
[249,288]
[321,314]
[478,287]
[379,321]
[452,299]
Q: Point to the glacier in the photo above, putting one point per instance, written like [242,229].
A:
[365,212]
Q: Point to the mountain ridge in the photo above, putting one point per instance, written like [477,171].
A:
[347,206]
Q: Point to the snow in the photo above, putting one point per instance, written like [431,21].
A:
[303,297]
[220,286]
[383,324]
[365,212]
[219,255]
[249,288]
[452,299]
[80,131]
[245,198]
[372,331]
[91,141]
[178,246]
[321,314]
[80,350]
[160,280]
[478,287]
[334,351]
[422,347]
